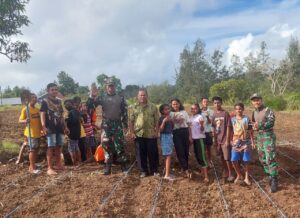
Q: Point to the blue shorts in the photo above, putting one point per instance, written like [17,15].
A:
[55,139]
[73,146]
[242,155]
[90,142]
[166,142]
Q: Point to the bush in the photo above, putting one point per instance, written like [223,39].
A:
[293,101]
[277,103]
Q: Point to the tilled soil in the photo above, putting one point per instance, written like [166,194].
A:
[84,192]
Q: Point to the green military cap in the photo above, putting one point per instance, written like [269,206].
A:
[255,95]
[109,81]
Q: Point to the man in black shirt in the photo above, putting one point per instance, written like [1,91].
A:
[54,126]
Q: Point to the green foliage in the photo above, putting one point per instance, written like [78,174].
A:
[66,84]
[293,101]
[131,91]
[131,101]
[11,93]
[231,91]
[12,20]
[161,93]
[277,103]
[101,83]
[195,74]
[9,146]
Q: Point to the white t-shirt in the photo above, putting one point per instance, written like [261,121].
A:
[180,119]
[197,133]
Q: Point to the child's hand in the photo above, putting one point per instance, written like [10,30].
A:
[45,130]
[255,126]
[66,131]
[253,146]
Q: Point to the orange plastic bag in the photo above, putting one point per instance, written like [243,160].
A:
[99,154]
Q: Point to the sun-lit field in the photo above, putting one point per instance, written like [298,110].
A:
[83,192]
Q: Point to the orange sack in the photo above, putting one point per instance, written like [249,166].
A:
[99,154]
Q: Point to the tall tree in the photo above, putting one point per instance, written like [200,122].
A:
[131,91]
[293,56]
[236,68]
[66,84]
[219,71]
[12,19]
[101,83]
[195,74]
[161,93]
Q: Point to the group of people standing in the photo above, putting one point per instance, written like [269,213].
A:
[145,123]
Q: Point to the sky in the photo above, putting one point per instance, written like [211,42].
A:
[140,41]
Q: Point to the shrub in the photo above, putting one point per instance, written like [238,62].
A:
[293,101]
[277,103]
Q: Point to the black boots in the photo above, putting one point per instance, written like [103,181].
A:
[107,169]
[274,184]
[124,167]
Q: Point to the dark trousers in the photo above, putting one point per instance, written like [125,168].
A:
[146,148]
[81,145]
[181,144]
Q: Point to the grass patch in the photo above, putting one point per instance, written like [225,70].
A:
[9,146]
[10,107]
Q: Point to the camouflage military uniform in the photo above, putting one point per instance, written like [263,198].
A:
[114,119]
[266,139]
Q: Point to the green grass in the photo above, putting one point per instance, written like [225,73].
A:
[9,146]
[10,107]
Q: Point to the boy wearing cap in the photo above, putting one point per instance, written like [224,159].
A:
[263,119]
[114,120]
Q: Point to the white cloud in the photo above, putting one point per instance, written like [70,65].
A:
[277,38]
[240,47]
[138,41]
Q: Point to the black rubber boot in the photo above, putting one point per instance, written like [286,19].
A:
[124,167]
[107,169]
[274,184]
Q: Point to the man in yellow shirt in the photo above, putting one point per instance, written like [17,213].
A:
[35,130]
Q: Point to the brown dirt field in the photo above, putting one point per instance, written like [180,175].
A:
[80,192]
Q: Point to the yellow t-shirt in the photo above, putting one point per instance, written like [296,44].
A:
[35,122]
[82,132]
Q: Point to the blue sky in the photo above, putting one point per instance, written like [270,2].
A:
[140,41]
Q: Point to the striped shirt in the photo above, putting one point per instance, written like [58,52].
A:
[88,128]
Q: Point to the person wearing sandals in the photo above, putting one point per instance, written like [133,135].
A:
[242,141]
[166,137]
[181,134]
[197,136]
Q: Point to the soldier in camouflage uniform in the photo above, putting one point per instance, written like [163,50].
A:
[263,120]
[114,120]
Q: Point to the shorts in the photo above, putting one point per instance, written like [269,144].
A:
[224,151]
[73,146]
[35,142]
[244,155]
[55,139]
[166,142]
[90,142]
[208,140]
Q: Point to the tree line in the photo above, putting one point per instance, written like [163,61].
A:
[205,75]
[199,73]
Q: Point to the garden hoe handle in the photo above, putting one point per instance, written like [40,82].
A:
[28,126]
